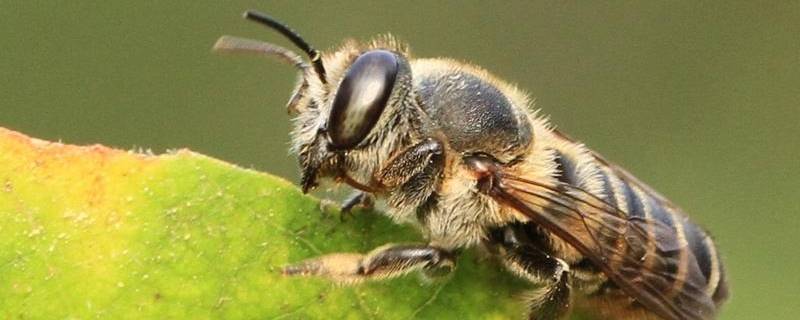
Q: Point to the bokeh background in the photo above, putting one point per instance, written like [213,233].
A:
[702,101]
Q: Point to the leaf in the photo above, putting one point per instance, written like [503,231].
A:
[93,232]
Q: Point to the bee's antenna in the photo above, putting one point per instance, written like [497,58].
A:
[313,54]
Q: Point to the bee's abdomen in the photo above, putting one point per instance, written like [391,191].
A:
[704,250]
[694,264]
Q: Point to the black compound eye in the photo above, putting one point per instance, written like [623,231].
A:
[361,98]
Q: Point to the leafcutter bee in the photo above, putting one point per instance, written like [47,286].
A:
[459,152]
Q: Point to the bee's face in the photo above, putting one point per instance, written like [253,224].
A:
[352,105]
[346,124]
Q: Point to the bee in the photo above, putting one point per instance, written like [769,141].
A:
[461,154]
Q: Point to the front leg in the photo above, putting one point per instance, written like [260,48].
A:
[358,199]
[388,261]
[413,174]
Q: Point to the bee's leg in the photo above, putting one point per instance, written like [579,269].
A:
[552,300]
[357,199]
[413,173]
[387,261]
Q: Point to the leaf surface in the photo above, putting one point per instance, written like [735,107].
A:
[94,232]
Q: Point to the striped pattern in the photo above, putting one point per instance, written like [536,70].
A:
[691,238]
[693,262]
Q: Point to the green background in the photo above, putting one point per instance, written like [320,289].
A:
[699,100]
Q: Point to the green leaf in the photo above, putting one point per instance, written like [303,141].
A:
[88,232]
[92,232]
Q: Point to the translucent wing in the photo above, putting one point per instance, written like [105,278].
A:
[644,257]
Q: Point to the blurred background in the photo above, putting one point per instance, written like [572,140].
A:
[702,101]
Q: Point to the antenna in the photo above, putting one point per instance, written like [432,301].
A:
[313,54]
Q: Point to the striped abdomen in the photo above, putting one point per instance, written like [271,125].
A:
[680,252]
[637,201]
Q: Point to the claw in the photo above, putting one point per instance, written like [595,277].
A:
[358,199]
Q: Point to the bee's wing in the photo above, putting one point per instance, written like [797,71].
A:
[639,255]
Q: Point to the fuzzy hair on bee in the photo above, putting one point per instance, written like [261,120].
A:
[464,156]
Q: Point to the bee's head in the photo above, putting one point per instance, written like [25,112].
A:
[346,102]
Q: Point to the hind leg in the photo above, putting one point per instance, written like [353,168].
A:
[388,261]
[552,299]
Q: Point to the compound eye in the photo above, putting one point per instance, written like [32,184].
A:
[361,98]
